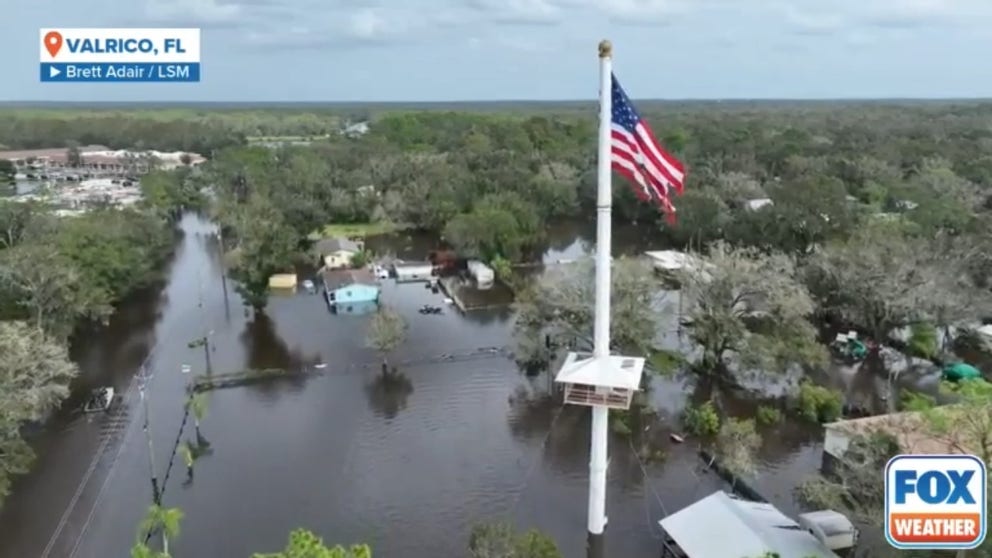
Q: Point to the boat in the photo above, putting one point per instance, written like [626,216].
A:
[100,400]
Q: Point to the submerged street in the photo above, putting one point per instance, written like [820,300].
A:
[406,465]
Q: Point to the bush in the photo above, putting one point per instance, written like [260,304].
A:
[768,415]
[819,404]
[501,268]
[702,420]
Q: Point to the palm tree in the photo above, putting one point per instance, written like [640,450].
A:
[161,519]
[198,405]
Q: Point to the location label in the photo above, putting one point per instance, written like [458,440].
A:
[53,42]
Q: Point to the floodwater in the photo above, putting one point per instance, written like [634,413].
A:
[407,464]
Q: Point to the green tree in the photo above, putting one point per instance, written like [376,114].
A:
[35,371]
[559,307]
[49,290]
[264,245]
[198,404]
[165,521]
[499,225]
[305,544]
[750,303]
[171,192]
[500,540]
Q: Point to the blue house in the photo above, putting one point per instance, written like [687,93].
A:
[349,287]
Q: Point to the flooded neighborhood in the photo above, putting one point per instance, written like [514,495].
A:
[407,462]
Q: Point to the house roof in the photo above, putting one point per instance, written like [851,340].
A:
[335,244]
[338,278]
[721,526]
[913,431]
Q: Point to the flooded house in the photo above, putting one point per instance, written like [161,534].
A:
[337,252]
[910,429]
[756,529]
[413,271]
[349,287]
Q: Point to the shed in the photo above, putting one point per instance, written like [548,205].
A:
[482,273]
[722,526]
[337,252]
[413,271]
[282,281]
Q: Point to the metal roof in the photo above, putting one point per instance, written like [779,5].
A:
[614,371]
[721,526]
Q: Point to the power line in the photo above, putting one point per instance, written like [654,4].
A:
[92,468]
[537,457]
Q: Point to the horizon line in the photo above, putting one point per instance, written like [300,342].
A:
[491,101]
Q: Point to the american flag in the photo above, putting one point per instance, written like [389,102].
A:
[637,155]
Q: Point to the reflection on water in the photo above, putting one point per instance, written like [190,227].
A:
[388,393]
[406,461]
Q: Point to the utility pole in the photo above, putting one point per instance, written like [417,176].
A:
[223,264]
[144,377]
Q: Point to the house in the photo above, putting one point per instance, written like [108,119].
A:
[336,253]
[346,287]
[724,526]
[413,271]
[909,429]
[483,274]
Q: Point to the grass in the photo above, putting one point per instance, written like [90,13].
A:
[352,230]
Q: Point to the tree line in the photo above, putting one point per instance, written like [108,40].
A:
[58,275]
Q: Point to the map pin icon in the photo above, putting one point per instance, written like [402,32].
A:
[53,42]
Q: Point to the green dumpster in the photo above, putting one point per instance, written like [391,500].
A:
[961,371]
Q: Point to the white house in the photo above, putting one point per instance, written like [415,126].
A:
[336,253]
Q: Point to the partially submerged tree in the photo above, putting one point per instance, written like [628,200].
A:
[387,331]
[736,446]
[559,306]
[745,301]
[500,540]
[881,279]
[35,372]
[165,521]
[198,404]
[305,544]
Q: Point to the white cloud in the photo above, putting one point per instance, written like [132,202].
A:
[196,11]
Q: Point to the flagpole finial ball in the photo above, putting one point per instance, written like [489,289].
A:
[605,49]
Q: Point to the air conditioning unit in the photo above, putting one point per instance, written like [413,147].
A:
[833,529]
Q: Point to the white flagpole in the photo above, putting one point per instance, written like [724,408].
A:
[601,328]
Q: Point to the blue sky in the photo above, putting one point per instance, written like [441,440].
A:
[438,50]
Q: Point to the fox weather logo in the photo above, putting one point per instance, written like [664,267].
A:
[935,502]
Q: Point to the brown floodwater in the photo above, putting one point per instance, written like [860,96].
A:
[407,464]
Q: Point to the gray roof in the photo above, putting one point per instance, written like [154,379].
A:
[330,245]
[721,526]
